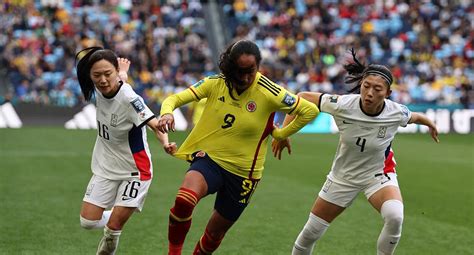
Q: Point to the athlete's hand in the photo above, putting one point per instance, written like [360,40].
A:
[279,145]
[124,65]
[166,123]
[434,133]
[170,148]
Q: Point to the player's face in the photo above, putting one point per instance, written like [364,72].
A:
[246,71]
[373,91]
[105,77]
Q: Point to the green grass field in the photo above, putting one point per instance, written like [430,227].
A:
[44,173]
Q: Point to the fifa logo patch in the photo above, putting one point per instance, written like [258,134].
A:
[138,105]
[382,132]
[288,99]
[251,106]
[114,120]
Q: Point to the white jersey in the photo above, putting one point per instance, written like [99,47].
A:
[121,150]
[364,148]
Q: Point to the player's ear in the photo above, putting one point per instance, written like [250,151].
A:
[389,92]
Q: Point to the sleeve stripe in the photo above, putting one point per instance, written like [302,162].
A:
[268,88]
[146,121]
[194,92]
[319,103]
[269,83]
[296,105]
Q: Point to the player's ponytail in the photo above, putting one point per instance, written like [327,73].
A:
[83,69]
[357,71]
[84,61]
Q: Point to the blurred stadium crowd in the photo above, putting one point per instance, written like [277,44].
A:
[429,45]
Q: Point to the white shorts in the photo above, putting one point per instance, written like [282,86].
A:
[107,193]
[342,193]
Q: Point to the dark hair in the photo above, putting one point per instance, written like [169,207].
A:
[84,61]
[228,60]
[357,71]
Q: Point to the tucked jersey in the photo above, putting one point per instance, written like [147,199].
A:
[121,150]
[364,148]
[234,131]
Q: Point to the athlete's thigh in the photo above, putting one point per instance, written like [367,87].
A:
[383,188]
[100,193]
[132,194]
[234,195]
[339,192]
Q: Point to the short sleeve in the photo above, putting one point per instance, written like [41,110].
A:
[139,112]
[329,103]
[405,114]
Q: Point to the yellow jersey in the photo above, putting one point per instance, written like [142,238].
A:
[234,132]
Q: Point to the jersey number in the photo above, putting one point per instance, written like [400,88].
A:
[131,189]
[361,143]
[228,120]
[102,128]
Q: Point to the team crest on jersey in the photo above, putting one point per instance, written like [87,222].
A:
[113,120]
[251,106]
[138,105]
[288,99]
[333,99]
[382,132]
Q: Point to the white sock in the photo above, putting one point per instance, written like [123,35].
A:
[312,231]
[96,224]
[392,214]
[109,242]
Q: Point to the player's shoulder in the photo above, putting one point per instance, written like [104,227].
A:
[342,100]
[394,107]
[268,86]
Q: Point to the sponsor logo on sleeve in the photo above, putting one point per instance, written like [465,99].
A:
[333,99]
[138,105]
[289,99]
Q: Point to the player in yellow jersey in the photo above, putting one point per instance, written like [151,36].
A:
[228,145]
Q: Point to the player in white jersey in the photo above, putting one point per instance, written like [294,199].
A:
[364,161]
[121,160]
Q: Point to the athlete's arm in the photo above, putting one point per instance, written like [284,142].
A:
[166,121]
[303,114]
[419,118]
[279,145]
[169,148]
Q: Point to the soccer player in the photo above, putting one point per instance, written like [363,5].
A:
[364,160]
[228,145]
[121,163]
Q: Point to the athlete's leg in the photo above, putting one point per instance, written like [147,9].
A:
[93,217]
[194,187]
[388,201]
[213,235]
[322,214]
[109,242]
